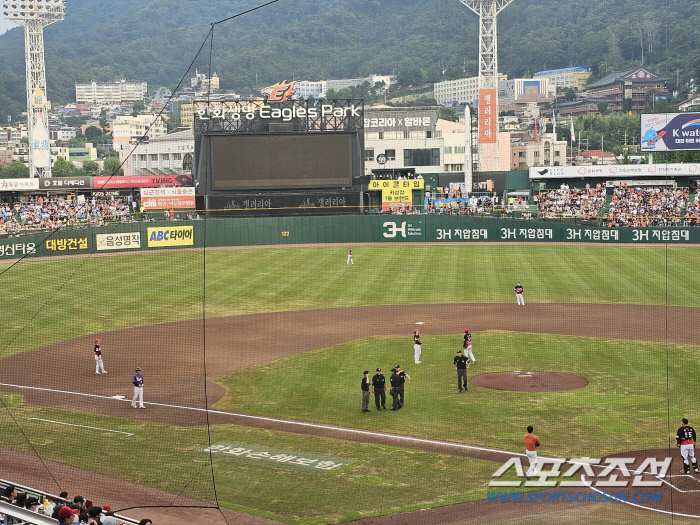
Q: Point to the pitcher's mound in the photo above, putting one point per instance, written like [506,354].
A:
[522,381]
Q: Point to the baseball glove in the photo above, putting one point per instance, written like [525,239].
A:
[678,444]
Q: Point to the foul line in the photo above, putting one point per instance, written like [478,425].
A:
[81,426]
[640,506]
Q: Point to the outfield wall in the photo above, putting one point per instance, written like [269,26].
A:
[139,236]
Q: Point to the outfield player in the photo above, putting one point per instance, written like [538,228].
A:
[519,294]
[99,365]
[350,261]
[416,346]
[685,439]
[467,345]
[137,380]
[532,442]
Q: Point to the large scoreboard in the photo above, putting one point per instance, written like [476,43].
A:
[256,145]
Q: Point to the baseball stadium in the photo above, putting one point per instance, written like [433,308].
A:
[234,337]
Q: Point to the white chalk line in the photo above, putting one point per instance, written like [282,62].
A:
[81,426]
[350,431]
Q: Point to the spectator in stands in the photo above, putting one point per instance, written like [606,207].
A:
[145,522]
[94,515]
[21,499]
[32,504]
[65,515]
[79,501]
[9,495]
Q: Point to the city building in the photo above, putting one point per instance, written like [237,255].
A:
[127,129]
[166,155]
[110,93]
[568,77]
[690,104]
[459,91]
[546,151]
[201,81]
[627,90]
[306,89]
[372,80]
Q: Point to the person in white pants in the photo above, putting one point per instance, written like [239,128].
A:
[350,261]
[685,440]
[416,346]
[519,294]
[532,442]
[137,380]
[467,345]
[99,365]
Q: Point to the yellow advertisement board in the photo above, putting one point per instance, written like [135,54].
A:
[399,195]
[170,236]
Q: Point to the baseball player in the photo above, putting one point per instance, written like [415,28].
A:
[519,294]
[685,439]
[99,365]
[467,346]
[416,346]
[350,261]
[532,442]
[137,380]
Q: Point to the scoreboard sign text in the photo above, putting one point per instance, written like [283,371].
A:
[170,236]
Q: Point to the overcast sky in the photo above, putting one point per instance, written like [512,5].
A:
[4,25]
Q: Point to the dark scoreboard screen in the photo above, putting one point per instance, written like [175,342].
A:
[285,160]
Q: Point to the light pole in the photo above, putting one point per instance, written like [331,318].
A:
[34,15]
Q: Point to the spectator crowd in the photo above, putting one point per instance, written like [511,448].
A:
[56,213]
[564,202]
[645,207]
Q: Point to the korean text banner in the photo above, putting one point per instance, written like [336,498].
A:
[408,184]
[142,181]
[170,236]
[165,198]
[670,131]
[488,119]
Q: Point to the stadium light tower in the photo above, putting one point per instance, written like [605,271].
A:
[488,10]
[34,15]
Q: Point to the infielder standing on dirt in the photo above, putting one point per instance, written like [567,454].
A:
[685,439]
[99,365]
[416,346]
[519,294]
[467,345]
[532,442]
[137,380]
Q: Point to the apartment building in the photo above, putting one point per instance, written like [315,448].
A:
[110,93]
[565,78]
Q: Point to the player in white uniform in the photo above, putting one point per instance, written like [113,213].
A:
[519,294]
[350,261]
[99,365]
[416,346]
[137,381]
[467,345]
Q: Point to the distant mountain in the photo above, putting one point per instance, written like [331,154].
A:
[418,40]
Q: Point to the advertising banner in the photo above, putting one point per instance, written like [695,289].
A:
[142,181]
[403,230]
[670,132]
[615,172]
[165,198]
[70,244]
[11,249]
[118,241]
[65,183]
[19,184]
[170,236]
[488,120]
[409,184]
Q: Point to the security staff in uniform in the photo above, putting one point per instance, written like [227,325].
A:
[461,363]
[365,391]
[395,381]
[379,389]
[403,376]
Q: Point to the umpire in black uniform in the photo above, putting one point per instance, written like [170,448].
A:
[461,363]
[379,389]
[402,376]
[395,381]
[365,391]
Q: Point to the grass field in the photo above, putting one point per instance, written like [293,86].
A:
[633,387]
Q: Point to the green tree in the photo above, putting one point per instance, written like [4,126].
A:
[112,167]
[90,168]
[16,170]
[63,168]
[78,141]
[93,134]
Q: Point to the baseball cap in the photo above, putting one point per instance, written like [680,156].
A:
[459,351]
[106,508]
[138,369]
[379,369]
[97,340]
[466,330]
[64,512]
[414,331]
[366,372]
[31,501]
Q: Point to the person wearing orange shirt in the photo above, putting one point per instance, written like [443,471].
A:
[531,444]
